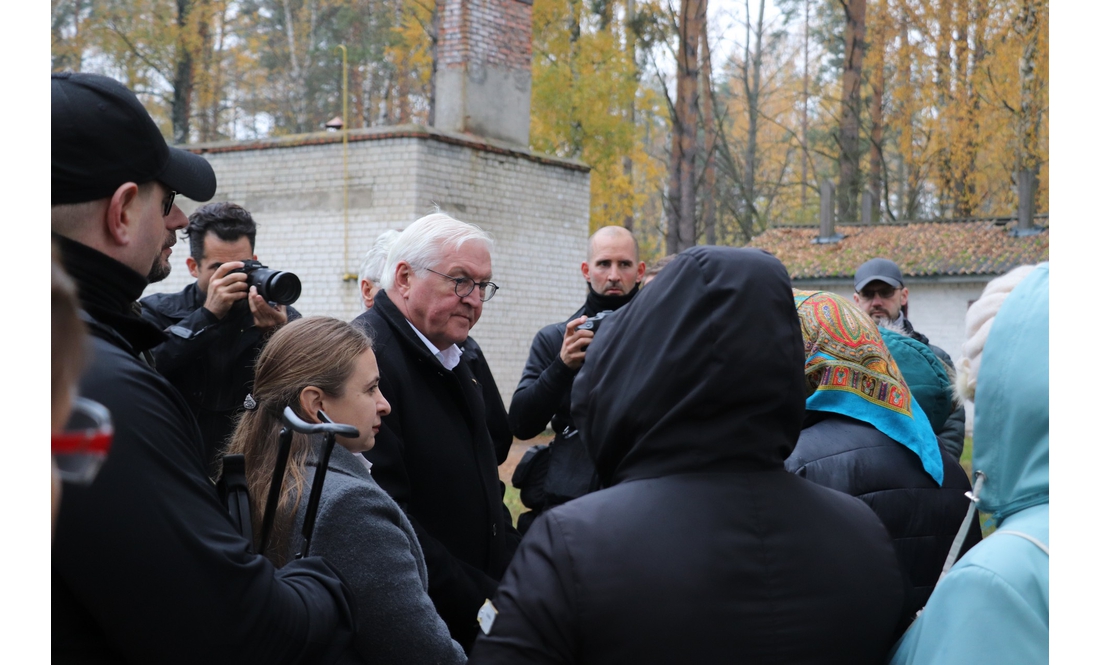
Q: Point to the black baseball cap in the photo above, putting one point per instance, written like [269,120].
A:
[102,137]
[881,269]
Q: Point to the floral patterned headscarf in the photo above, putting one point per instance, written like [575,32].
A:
[850,371]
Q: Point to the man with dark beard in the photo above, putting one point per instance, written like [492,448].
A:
[882,295]
[551,475]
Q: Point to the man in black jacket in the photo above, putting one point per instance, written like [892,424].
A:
[882,295]
[549,476]
[370,283]
[146,565]
[217,325]
[434,454]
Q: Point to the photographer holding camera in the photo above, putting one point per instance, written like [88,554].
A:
[551,475]
[218,325]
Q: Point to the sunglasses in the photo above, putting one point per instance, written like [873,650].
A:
[883,292]
[80,449]
[169,199]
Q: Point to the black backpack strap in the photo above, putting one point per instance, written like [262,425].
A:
[233,489]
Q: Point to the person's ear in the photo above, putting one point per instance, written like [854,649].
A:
[641,271]
[193,267]
[366,288]
[402,278]
[122,215]
[904,296]
[312,400]
[584,270]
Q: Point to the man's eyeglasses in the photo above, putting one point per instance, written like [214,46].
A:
[464,286]
[81,448]
[885,292]
[169,199]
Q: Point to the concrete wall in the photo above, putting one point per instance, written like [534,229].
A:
[536,208]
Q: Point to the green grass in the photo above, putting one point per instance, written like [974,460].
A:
[966,460]
[512,502]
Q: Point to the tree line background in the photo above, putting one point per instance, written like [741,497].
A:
[934,108]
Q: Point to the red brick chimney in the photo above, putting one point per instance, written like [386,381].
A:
[483,76]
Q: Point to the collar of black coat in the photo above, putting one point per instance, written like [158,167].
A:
[702,373]
[108,291]
[596,303]
[402,328]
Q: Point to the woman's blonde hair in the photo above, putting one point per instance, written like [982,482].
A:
[317,351]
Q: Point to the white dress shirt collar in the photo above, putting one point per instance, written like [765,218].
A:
[449,356]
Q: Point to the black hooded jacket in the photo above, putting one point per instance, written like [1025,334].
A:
[146,565]
[701,548]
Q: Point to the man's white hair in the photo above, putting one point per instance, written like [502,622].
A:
[375,260]
[979,321]
[423,244]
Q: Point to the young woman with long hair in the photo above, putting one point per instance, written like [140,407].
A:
[323,364]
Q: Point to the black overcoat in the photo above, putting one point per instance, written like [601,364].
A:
[435,457]
[702,548]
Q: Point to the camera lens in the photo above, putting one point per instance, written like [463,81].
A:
[278,286]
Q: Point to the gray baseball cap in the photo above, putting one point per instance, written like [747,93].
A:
[879,269]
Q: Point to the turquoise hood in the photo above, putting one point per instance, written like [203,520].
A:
[1012,406]
[925,375]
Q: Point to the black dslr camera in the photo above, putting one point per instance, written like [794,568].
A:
[593,322]
[275,286]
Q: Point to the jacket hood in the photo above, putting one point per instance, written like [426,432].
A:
[925,375]
[1011,405]
[702,371]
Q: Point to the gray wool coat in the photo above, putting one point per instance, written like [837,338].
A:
[365,535]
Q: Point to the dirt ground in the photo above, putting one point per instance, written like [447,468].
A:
[516,454]
[511,494]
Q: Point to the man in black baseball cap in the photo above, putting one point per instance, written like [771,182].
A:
[147,565]
[107,151]
[881,293]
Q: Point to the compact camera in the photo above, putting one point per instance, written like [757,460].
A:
[276,286]
[593,322]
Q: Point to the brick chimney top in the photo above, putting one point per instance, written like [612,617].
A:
[483,80]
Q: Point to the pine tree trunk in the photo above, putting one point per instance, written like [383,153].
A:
[183,80]
[710,134]
[848,137]
[688,92]
[878,85]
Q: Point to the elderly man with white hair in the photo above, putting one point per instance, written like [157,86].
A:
[434,453]
[370,270]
